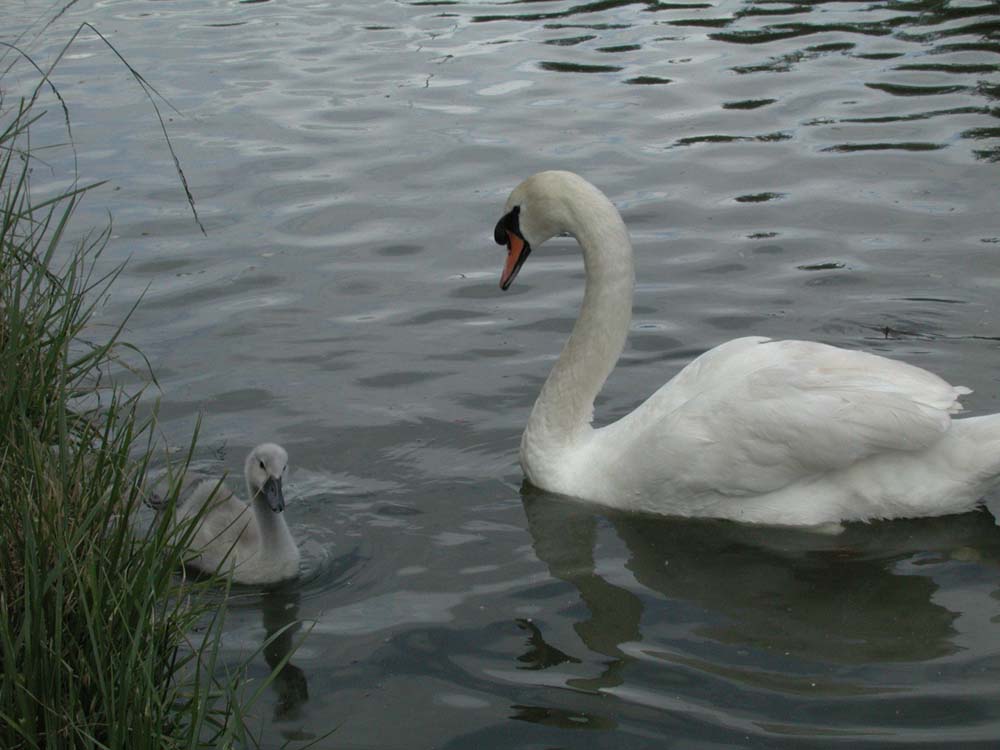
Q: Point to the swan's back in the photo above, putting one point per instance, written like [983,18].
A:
[753,421]
[753,415]
[226,530]
[227,525]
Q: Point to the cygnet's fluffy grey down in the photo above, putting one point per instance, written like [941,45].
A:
[250,541]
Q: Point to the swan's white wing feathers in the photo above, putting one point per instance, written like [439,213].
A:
[754,415]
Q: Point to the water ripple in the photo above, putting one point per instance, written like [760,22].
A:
[791,169]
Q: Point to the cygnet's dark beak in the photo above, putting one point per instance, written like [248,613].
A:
[273,494]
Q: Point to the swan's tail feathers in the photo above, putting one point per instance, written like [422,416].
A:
[985,433]
[978,448]
[960,390]
[992,504]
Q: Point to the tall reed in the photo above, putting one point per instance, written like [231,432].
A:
[96,644]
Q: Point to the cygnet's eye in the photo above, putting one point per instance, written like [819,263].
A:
[284,468]
[262,464]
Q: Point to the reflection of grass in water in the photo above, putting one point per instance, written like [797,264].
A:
[849,148]
[561,67]
[621,48]
[648,81]
[951,68]
[991,154]
[759,197]
[896,89]
[97,638]
[749,104]
[570,41]
[764,138]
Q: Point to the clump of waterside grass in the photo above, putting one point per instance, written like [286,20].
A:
[96,630]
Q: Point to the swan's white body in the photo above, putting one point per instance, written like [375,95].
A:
[775,432]
[252,541]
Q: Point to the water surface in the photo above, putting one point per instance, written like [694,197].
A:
[822,170]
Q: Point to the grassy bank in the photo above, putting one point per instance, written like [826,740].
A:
[96,644]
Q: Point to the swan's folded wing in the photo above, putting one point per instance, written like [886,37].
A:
[782,411]
[223,519]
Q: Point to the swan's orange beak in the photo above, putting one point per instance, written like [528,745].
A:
[517,252]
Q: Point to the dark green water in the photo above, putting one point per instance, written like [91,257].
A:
[823,170]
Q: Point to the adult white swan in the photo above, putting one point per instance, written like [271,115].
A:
[775,432]
[252,541]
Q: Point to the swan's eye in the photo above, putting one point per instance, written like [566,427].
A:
[509,223]
[262,464]
[500,233]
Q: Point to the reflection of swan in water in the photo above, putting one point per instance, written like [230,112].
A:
[279,613]
[563,535]
[846,600]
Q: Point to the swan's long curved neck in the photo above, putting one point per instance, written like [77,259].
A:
[275,536]
[565,406]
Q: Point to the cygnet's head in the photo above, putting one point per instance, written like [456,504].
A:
[264,468]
